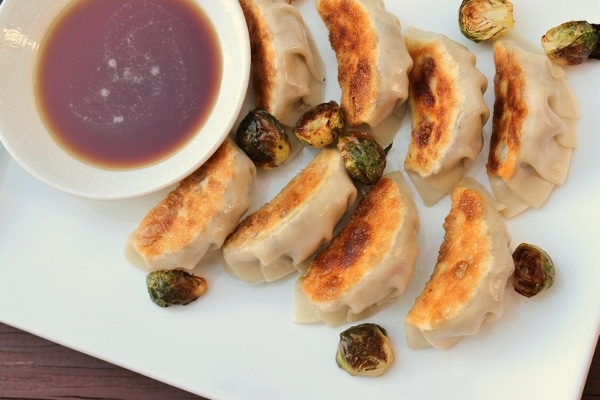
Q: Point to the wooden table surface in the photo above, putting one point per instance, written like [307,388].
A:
[34,368]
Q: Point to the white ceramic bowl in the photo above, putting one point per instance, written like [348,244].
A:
[23,24]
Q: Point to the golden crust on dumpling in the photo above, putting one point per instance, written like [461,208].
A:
[177,220]
[465,257]
[356,250]
[435,97]
[354,39]
[263,52]
[296,193]
[510,112]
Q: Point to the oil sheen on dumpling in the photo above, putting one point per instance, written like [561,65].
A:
[469,280]
[276,239]
[534,126]
[448,112]
[373,63]
[368,263]
[287,72]
[197,215]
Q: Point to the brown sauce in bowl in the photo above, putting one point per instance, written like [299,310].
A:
[125,84]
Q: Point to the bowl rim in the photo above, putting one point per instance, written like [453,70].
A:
[27,140]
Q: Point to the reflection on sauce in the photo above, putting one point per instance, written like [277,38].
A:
[125,84]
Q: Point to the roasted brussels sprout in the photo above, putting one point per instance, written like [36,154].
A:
[264,139]
[481,20]
[364,158]
[321,125]
[172,287]
[571,43]
[365,350]
[534,270]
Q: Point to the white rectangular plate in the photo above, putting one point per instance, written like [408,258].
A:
[63,276]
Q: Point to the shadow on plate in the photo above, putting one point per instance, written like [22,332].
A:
[4,157]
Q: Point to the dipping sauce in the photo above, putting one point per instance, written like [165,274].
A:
[124,84]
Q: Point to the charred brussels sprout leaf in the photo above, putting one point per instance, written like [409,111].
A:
[172,287]
[321,125]
[481,20]
[365,350]
[263,139]
[534,270]
[363,157]
[571,43]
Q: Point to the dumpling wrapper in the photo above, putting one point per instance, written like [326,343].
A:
[448,112]
[534,126]
[368,263]
[276,239]
[287,72]
[469,280]
[373,62]
[197,215]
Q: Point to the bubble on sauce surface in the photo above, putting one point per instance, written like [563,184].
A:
[134,69]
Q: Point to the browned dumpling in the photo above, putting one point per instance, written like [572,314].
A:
[469,279]
[372,59]
[276,239]
[287,72]
[534,126]
[448,112]
[197,215]
[368,263]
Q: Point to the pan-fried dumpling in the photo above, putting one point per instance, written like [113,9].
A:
[197,215]
[448,112]
[373,63]
[276,239]
[368,263]
[533,126]
[469,280]
[287,72]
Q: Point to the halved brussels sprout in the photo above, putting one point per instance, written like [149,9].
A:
[481,20]
[364,158]
[172,287]
[321,125]
[263,139]
[534,270]
[365,350]
[571,43]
